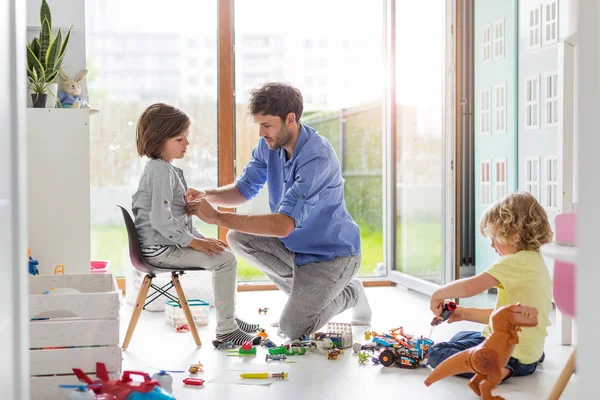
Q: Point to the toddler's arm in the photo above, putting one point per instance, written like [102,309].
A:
[460,289]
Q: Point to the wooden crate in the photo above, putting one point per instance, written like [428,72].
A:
[82,328]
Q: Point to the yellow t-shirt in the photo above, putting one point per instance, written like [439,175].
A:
[524,279]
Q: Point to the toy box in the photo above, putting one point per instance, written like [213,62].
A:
[342,329]
[174,313]
[73,325]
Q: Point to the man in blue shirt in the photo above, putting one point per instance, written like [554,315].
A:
[309,246]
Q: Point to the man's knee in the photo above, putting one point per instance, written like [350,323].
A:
[293,325]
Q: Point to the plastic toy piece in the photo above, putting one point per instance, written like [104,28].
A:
[182,329]
[195,368]
[264,375]
[488,359]
[33,269]
[193,381]
[262,334]
[263,310]
[165,380]
[362,357]
[268,343]
[401,359]
[367,335]
[60,268]
[447,311]
[221,345]
[334,353]
[275,357]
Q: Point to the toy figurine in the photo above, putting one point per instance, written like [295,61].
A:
[262,333]
[263,310]
[195,368]
[33,269]
[362,357]
[488,359]
[70,91]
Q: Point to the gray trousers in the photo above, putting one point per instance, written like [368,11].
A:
[317,291]
[224,277]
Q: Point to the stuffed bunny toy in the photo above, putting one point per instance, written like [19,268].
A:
[70,90]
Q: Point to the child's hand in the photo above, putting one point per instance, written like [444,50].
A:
[436,306]
[210,247]
[457,315]
[193,194]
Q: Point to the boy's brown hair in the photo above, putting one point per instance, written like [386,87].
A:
[158,123]
[518,220]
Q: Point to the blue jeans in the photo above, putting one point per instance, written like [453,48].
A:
[467,339]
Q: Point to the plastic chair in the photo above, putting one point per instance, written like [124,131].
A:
[135,255]
[564,293]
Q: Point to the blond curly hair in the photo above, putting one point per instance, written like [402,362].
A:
[517,220]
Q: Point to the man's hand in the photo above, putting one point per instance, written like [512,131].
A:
[193,194]
[210,247]
[203,210]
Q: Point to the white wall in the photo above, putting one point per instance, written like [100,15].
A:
[588,213]
[14,332]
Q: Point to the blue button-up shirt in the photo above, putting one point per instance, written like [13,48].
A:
[310,189]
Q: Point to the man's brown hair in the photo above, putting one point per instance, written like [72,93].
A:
[277,99]
[158,123]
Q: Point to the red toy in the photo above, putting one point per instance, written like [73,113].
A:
[247,345]
[121,389]
[182,328]
[447,311]
[194,381]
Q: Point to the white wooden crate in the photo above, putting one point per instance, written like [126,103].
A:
[82,328]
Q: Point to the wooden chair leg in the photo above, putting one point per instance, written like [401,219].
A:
[137,310]
[563,378]
[186,309]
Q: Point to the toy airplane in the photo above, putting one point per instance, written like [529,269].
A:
[124,388]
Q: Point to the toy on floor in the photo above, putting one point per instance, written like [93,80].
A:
[195,368]
[363,357]
[366,347]
[262,334]
[124,388]
[487,360]
[263,310]
[193,381]
[182,328]
[81,392]
[33,269]
[268,343]
[344,331]
[399,348]
[447,310]
[368,335]
[222,345]
[165,380]
[275,357]
[334,353]
[247,349]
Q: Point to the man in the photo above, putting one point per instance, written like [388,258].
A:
[309,246]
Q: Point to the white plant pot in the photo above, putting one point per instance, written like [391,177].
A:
[52,95]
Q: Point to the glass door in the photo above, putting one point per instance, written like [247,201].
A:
[420,144]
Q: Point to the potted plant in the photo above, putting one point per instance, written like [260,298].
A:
[45,54]
[39,85]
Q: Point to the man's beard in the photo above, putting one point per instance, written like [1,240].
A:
[282,138]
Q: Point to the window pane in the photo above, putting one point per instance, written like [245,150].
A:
[138,53]
[335,58]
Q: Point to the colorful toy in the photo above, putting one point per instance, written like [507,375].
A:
[342,332]
[263,310]
[402,359]
[334,353]
[447,310]
[275,357]
[268,343]
[222,345]
[193,381]
[33,270]
[262,334]
[195,368]
[165,380]
[125,388]
[362,357]
[367,347]
[367,335]
[182,329]
[487,360]
[70,91]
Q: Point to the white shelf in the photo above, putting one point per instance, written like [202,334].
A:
[560,252]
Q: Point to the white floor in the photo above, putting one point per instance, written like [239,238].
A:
[157,345]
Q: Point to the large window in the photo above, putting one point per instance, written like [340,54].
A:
[334,55]
[140,52]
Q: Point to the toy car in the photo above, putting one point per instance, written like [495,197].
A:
[193,381]
[401,359]
[275,357]
[222,345]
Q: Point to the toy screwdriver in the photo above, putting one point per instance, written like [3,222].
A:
[264,375]
[447,311]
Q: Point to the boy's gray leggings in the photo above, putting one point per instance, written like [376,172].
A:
[317,291]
